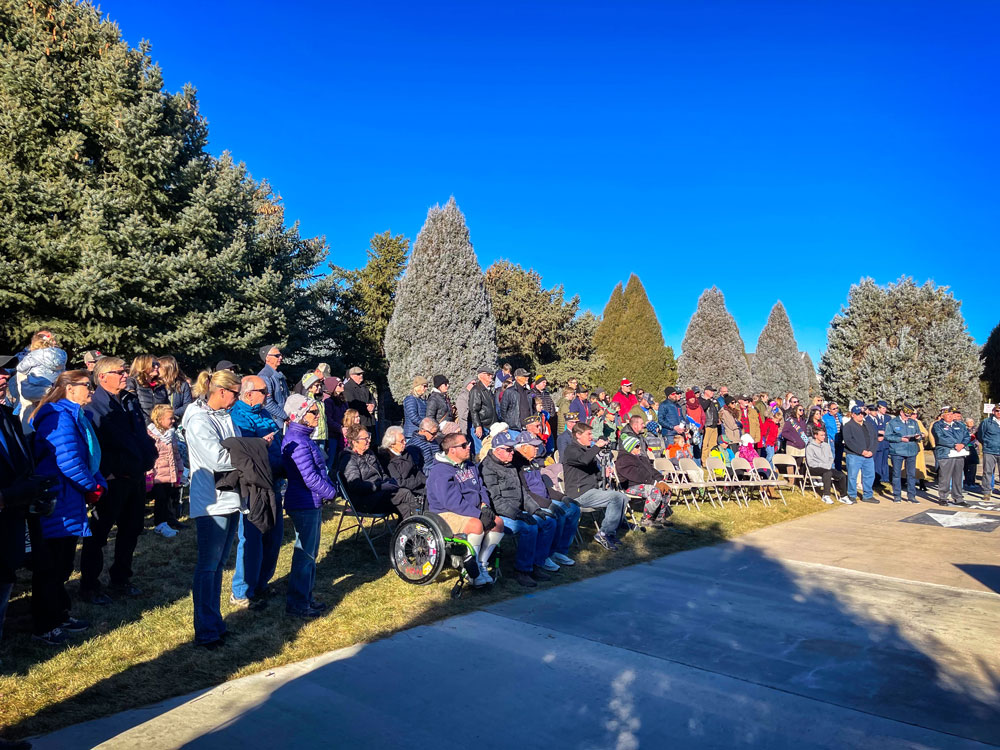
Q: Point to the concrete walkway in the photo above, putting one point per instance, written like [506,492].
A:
[847,629]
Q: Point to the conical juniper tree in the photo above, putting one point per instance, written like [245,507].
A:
[902,343]
[713,352]
[777,364]
[442,322]
[117,229]
[991,365]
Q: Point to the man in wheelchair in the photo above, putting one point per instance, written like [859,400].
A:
[456,494]
[535,528]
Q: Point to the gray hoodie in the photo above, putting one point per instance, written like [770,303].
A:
[819,455]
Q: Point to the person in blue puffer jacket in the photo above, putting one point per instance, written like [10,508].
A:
[257,553]
[989,435]
[308,486]
[67,449]
[415,406]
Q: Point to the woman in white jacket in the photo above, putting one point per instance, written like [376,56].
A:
[215,512]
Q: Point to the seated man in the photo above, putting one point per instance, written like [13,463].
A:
[637,474]
[399,464]
[537,425]
[422,446]
[528,460]
[566,436]
[819,463]
[582,473]
[455,492]
[535,530]
[370,488]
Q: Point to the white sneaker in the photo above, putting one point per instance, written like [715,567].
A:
[827,500]
[164,530]
[846,501]
[561,559]
[549,565]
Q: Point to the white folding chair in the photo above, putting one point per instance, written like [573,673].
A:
[760,464]
[718,475]
[793,475]
[751,482]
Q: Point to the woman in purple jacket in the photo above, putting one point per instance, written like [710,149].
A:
[308,487]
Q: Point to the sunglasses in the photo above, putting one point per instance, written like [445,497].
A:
[262,391]
[113,372]
[315,413]
[466,445]
[88,385]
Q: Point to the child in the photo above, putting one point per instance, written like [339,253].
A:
[167,472]
[723,451]
[37,371]
[678,449]
[747,452]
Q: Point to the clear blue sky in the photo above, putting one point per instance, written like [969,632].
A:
[776,150]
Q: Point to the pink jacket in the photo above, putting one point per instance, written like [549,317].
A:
[168,468]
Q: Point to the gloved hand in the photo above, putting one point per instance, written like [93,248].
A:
[24,491]
[93,496]
[526,518]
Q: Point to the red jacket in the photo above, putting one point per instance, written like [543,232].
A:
[769,432]
[626,401]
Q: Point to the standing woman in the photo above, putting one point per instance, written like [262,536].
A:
[334,407]
[67,449]
[215,512]
[415,406]
[308,487]
[729,419]
[796,433]
[144,381]
[177,385]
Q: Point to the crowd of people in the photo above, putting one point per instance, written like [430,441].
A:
[84,451]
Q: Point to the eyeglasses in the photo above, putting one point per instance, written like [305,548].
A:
[113,372]
[365,439]
[465,445]
[262,391]
[88,385]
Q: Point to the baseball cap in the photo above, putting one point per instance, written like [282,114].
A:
[531,419]
[526,438]
[503,440]
[520,372]
[224,364]
[91,356]
[710,388]
[355,371]
[857,410]
[485,368]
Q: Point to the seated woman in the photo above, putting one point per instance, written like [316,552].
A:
[399,464]
[819,462]
[370,488]
[637,475]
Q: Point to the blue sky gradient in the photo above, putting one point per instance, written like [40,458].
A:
[776,150]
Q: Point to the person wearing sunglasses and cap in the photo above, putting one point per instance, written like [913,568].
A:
[277,383]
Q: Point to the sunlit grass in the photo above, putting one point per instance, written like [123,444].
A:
[140,652]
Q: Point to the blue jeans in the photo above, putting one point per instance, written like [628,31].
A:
[302,577]
[477,443]
[899,465]
[257,555]
[534,543]
[567,525]
[769,455]
[215,540]
[866,466]
[613,504]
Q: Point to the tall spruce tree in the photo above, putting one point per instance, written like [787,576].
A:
[811,377]
[991,365]
[117,229]
[442,321]
[902,343]
[713,352]
[777,364]
[629,340]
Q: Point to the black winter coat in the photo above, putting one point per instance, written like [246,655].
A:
[358,397]
[363,473]
[515,406]
[482,407]
[581,471]
[636,470]
[440,408]
[254,480]
[16,463]
[127,450]
[404,471]
[149,396]
[503,485]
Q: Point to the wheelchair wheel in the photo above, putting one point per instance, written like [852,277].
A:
[418,550]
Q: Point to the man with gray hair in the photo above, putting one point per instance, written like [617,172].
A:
[277,385]
[422,446]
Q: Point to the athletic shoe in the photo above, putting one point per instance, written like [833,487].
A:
[540,575]
[484,578]
[238,603]
[846,500]
[827,500]
[561,559]
[54,637]
[96,598]
[549,565]
[605,541]
[524,579]
[73,625]
[957,504]
[896,500]
[177,525]
[870,500]
[164,529]
[319,606]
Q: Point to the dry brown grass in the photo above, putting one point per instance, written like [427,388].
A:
[140,652]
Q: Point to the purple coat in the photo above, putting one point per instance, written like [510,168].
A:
[308,483]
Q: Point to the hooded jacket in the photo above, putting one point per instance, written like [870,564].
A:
[127,450]
[819,455]
[308,483]
[66,447]
[414,410]
[455,488]
[204,430]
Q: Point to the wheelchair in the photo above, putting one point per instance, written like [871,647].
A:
[423,544]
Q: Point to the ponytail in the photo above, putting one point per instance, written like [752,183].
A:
[202,385]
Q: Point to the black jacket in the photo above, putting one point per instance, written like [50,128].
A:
[149,396]
[358,397]
[581,472]
[404,471]
[16,463]
[127,450]
[860,437]
[635,470]
[482,407]
[515,405]
[440,408]
[711,407]
[253,479]
[503,485]
[364,474]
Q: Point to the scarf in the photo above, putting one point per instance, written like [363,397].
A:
[694,412]
[163,436]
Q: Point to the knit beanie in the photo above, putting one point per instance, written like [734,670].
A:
[440,380]
[263,352]
[630,443]
[296,407]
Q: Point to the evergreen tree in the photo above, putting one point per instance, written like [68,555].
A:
[117,229]
[902,343]
[811,377]
[442,321]
[991,365]
[629,340]
[777,364]
[713,352]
